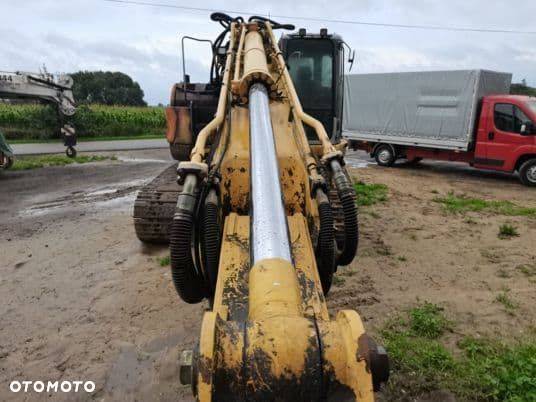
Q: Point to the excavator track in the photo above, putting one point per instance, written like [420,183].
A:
[155,206]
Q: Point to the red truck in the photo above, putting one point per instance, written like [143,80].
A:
[462,116]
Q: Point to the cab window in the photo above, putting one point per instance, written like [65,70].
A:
[310,63]
[509,118]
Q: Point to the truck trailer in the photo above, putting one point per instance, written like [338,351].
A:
[462,116]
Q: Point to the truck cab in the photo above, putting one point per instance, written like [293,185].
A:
[506,136]
[316,65]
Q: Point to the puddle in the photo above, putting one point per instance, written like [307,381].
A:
[358,160]
[358,164]
[112,196]
[142,160]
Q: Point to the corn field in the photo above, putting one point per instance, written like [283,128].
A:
[33,121]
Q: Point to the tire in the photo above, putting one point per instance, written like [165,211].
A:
[8,163]
[70,152]
[527,173]
[385,155]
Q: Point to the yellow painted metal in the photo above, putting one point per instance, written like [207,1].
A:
[307,119]
[238,58]
[269,334]
[255,63]
[273,290]
[198,152]
[280,324]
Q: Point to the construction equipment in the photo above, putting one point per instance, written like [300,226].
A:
[253,232]
[48,88]
[6,153]
[316,65]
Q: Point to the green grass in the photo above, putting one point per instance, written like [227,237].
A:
[480,369]
[35,162]
[507,231]
[427,321]
[338,280]
[370,194]
[38,122]
[86,139]
[527,269]
[164,261]
[509,304]
[462,204]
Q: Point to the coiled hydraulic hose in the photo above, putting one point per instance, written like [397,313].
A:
[211,239]
[351,227]
[188,282]
[325,249]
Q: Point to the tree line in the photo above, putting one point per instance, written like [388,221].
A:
[106,88]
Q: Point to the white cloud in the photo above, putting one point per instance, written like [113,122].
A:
[144,41]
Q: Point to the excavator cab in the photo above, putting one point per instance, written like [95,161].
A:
[316,65]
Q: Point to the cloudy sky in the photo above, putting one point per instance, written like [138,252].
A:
[143,41]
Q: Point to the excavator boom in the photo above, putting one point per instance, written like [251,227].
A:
[46,88]
[253,232]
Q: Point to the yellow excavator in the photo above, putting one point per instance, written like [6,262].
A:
[258,215]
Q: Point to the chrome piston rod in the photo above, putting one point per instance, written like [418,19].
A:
[269,231]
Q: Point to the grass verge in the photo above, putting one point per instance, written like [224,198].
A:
[164,261]
[481,370]
[86,139]
[370,194]
[35,162]
[462,204]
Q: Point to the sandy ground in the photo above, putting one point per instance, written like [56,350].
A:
[82,299]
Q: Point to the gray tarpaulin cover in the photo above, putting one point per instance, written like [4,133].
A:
[432,108]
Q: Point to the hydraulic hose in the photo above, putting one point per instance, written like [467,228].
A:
[187,281]
[211,239]
[325,249]
[351,226]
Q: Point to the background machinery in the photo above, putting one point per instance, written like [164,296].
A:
[6,153]
[251,223]
[48,88]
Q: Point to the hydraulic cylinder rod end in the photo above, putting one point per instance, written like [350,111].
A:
[255,64]
[269,229]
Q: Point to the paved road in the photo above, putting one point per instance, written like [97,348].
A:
[89,146]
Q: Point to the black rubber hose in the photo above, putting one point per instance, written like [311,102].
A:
[211,239]
[188,282]
[326,254]
[346,195]
[351,228]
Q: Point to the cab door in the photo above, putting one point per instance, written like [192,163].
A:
[505,136]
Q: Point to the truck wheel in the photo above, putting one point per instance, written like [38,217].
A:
[527,173]
[385,155]
[70,152]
